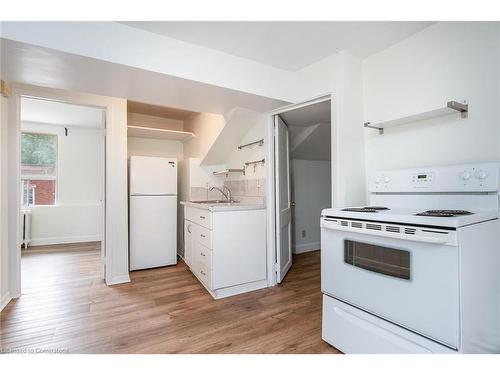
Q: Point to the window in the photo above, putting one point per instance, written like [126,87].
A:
[384,260]
[38,168]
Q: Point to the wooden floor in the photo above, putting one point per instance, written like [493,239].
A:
[66,307]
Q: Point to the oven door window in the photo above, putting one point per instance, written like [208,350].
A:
[380,259]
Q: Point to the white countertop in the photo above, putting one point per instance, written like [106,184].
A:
[225,206]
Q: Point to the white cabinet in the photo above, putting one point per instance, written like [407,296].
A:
[226,250]
[188,242]
[199,216]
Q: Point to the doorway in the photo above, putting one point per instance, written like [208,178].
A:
[302,179]
[62,191]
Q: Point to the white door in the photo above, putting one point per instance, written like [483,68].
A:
[283,209]
[153,231]
[153,176]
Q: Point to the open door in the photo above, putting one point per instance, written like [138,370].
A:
[283,209]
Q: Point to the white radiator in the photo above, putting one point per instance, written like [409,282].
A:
[25,228]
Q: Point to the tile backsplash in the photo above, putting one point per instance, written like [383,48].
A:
[246,191]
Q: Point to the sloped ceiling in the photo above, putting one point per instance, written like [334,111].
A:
[46,67]
[310,131]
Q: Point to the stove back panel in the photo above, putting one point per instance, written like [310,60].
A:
[468,178]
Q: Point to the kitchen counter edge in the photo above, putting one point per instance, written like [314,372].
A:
[224,207]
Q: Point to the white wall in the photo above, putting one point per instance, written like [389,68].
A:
[341,75]
[4,254]
[311,192]
[77,215]
[318,79]
[348,161]
[155,147]
[238,158]
[206,127]
[140,119]
[447,61]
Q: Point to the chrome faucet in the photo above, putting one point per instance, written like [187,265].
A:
[228,196]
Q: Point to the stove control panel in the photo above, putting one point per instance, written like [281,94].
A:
[482,177]
[422,178]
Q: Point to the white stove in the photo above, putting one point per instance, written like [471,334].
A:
[417,270]
[412,216]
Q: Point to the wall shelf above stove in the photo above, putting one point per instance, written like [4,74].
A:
[451,107]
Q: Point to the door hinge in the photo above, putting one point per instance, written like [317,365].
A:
[4,89]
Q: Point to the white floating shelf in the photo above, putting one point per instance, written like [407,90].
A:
[451,107]
[155,133]
[230,170]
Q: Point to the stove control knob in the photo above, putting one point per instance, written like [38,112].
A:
[377,181]
[387,179]
[480,175]
[465,175]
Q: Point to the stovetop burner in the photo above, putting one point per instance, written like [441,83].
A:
[365,209]
[444,213]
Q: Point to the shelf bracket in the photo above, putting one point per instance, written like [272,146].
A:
[380,130]
[260,142]
[463,108]
[255,162]
[230,170]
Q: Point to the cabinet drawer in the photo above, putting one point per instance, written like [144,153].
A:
[203,255]
[203,273]
[203,235]
[199,216]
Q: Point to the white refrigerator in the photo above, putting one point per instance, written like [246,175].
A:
[153,212]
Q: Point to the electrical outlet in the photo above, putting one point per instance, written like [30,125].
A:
[303,233]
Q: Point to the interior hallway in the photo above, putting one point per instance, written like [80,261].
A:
[65,305]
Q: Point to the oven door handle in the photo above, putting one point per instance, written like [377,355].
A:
[399,236]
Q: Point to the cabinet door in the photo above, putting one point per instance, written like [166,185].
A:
[189,228]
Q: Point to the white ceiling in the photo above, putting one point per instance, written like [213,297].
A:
[57,113]
[309,130]
[286,45]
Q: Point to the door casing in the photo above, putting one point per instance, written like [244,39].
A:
[271,174]
[13,170]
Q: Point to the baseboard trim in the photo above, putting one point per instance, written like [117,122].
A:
[6,298]
[113,280]
[306,247]
[63,240]
[238,289]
